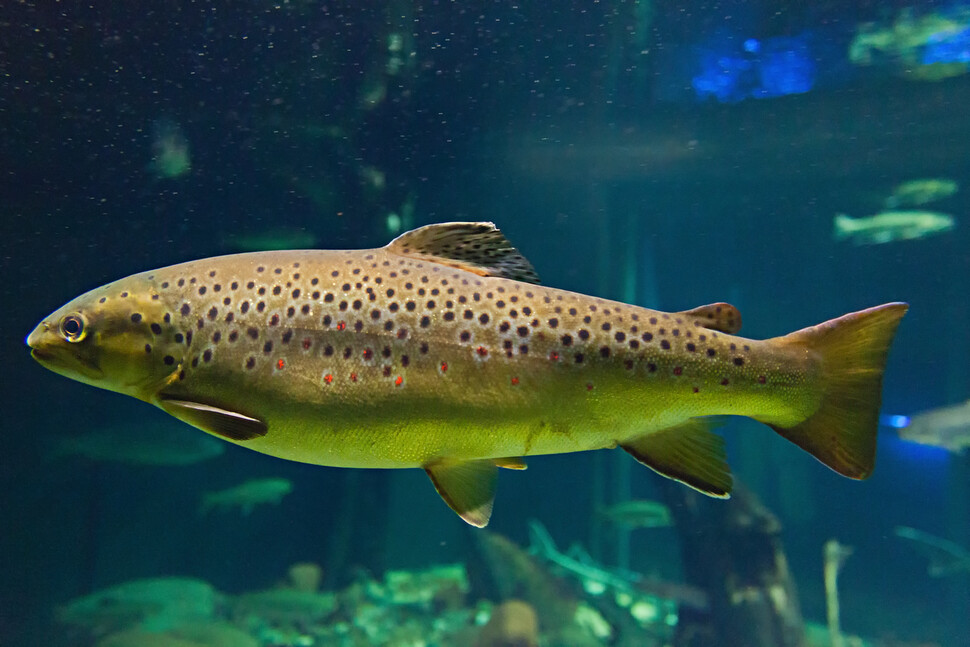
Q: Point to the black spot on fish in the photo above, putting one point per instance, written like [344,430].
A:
[136,318]
[186,309]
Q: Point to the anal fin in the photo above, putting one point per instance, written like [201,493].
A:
[231,425]
[689,453]
[468,487]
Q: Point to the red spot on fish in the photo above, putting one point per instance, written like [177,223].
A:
[328,378]
[306,343]
[398,381]
[696,390]
[353,377]
[280,364]
[761,379]
[515,381]
[444,366]
[678,370]
[554,356]
[341,325]
[368,353]
[482,351]
[589,386]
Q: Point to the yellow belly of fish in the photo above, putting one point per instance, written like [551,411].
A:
[480,413]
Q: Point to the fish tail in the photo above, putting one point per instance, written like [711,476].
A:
[852,349]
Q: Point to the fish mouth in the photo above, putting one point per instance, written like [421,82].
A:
[41,356]
[61,360]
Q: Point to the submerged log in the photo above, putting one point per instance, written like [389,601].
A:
[733,550]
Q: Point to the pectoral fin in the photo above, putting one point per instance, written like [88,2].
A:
[689,453]
[510,463]
[231,425]
[467,487]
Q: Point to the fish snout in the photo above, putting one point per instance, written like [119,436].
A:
[36,337]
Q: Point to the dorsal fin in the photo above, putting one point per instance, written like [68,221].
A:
[477,247]
[722,317]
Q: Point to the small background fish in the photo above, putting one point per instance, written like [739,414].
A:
[246,496]
[150,441]
[638,514]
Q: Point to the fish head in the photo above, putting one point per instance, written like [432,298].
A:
[105,338]
[941,222]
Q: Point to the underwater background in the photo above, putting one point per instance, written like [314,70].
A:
[668,154]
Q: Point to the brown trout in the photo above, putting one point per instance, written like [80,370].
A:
[440,351]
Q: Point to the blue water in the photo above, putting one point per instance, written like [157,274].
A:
[671,158]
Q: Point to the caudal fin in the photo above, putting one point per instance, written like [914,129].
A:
[852,349]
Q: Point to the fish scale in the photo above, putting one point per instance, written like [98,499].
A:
[441,351]
[380,328]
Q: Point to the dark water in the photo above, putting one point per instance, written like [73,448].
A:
[584,132]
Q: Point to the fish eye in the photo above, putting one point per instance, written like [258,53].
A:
[72,327]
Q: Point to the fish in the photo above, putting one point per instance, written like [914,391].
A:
[167,443]
[916,193]
[154,604]
[638,514]
[946,558]
[891,226]
[171,153]
[247,495]
[945,427]
[440,351]
[271,239]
